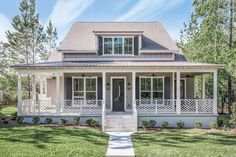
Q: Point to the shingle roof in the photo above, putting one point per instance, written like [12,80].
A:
[81,35]
[114,64]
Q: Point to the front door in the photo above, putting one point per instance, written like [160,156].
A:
[118,94]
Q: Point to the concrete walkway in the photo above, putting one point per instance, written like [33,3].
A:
[120,144]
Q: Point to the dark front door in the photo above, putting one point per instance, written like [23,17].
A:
[118,94]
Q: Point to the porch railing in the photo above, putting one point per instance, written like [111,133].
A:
[198,106]
[156,106]
[188,106]
[49,106]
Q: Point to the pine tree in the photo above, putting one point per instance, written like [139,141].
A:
[206,39]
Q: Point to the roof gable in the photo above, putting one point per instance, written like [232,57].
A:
[82,35]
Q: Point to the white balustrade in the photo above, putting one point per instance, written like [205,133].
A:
[188,106]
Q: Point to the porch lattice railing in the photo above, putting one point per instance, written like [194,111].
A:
[188,106]
[156,106]
[202,106]
[49,106]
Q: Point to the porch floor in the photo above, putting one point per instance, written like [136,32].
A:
[120,144]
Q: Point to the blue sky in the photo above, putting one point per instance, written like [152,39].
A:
[63,13]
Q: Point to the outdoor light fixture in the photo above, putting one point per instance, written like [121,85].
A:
[108,86]
[129,86]
[83,75]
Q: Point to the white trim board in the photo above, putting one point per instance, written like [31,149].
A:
[125,90]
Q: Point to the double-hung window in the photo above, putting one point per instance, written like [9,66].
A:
[118,45]
[84,88]
[151,88]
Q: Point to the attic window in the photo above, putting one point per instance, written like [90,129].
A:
[118,45]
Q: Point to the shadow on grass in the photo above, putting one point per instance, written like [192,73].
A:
[39,136]
[177,138]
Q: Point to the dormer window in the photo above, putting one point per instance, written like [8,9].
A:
[118,45]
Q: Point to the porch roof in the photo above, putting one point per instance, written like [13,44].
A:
[65,64]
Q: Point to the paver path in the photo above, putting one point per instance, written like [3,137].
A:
[120,145]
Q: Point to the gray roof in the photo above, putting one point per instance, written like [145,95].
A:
[114,64]
[81,36]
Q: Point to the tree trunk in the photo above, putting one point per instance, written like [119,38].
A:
[230,49]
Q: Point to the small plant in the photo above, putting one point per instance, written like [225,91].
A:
[76,120]
[35,120]
[198,125]
[232,120]
[89,121]
[14,116]
[63,121]
[213,125]
[180,124]
[220,122]
[20,119]
[148,123]
[152,123]
[92,122]
[165,124]
[48,120]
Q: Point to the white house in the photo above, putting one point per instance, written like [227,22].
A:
[119,73]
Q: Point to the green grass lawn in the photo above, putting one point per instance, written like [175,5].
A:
[7,111]
[185,143]
[51,141]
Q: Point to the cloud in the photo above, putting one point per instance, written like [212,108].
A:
[148,9]
[5,25]
[65,11]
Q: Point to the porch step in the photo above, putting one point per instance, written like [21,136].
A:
[119,123]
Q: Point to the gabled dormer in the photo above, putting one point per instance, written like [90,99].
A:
[118,41]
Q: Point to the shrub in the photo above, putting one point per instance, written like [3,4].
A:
[165,124]
[92,122]
[180,124]
[35,120]
[76,120]
[148,123]
[213,125]
[14,116]
[48,120]
[198,124]
[152,123]
[20,119]
[220,122]
[233,116]
[89,121]
[63,121]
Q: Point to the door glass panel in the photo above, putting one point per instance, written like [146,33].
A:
[145,95]
[157,84]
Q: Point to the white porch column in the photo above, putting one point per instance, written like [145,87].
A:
[33,87]
[203,87]
[178,103]
[133,88]
[104,88]
[215,92]
[41,85]
[173,85]
[19,92]
[58,102]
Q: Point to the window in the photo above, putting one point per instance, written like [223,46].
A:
[108,45]
[152,87]
[128,44]
[84,88]
[118,45]
[118,42]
